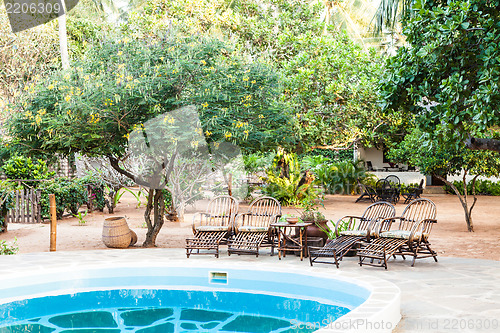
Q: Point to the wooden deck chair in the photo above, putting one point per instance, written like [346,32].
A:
[367,193]
[255,229]
[213,227]
[358,228]
[411,237]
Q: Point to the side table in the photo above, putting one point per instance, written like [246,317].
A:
[286,242]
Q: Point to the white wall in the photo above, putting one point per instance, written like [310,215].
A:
[376,156]
[406,177]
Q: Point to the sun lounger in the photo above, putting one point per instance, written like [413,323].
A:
[254,231]
[411,237]
[358,228]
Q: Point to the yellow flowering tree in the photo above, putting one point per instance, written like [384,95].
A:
[93,108]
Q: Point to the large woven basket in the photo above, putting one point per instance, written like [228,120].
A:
[116,233]
[133,237]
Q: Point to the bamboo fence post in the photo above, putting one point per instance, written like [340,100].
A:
[53,222]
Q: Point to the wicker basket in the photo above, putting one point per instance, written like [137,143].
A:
[116,233]
[133,236]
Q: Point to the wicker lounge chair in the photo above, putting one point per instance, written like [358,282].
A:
[358,228]
[255,231]
[213,227]
[410,238]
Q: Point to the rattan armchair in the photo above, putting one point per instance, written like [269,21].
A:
[253,229]
[410,237]
[213,227]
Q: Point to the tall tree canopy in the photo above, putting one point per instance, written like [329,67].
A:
[449,72]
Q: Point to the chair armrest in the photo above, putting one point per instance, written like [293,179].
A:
[419,228]
[374,226]
[194,224]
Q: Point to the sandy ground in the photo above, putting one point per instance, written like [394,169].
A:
[449,236]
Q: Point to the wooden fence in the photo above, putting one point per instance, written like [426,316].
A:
[27,207]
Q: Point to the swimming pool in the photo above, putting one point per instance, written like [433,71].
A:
[180,296]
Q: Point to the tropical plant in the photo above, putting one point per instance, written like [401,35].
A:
[8,249]
[81,217]
[286,183]
[330,232]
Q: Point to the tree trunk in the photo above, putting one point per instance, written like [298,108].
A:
[463,200]
[157,205]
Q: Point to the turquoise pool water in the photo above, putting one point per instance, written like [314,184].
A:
[151,310]
[176,299]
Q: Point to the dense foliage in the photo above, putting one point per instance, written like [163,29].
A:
[482,187]
[451,65]
[119,85]
[328,82]
[26,168]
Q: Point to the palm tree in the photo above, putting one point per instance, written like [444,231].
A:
[387,14]
[357,16]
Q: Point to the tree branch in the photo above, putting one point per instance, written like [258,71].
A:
[482,144]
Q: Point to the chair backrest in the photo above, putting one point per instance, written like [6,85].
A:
[382,184]
[416,211]
[379,209]
[394,180]
[262,212]
[222,210]
[369,166]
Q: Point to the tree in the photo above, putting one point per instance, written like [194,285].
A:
[432,157]
[448,73]
[94,108]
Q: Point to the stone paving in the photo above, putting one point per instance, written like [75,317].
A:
[453,295]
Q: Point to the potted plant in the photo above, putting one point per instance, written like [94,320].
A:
[311,214]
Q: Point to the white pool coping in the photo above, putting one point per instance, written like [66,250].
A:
[379,313]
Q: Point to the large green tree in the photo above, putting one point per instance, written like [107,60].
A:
[329,82]
[93,108]
[449,72]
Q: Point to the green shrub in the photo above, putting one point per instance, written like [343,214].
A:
[483,187]
[70,195]
[96,185]
[8,249]
[23,167]
[257,162]
[340,177]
